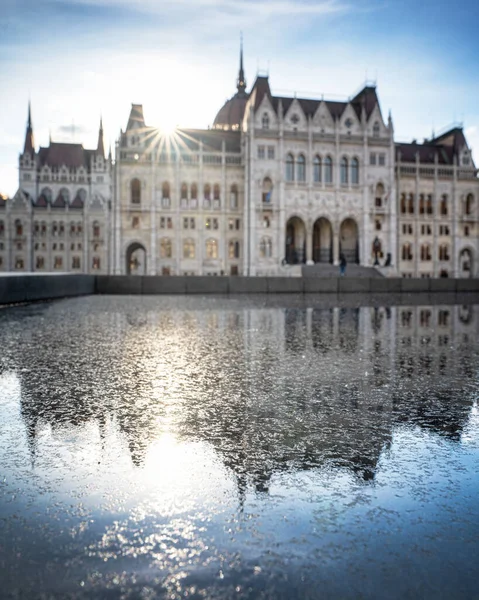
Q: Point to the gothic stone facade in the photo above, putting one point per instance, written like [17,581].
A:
[276,183]
[59,218]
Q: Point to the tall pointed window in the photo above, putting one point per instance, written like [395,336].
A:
[328,170]
[317,169]
[290,167]
[301,168]
[135,189]
[354,171]
[216,192]
[265,121]
[211,249]
[444,205]
[234,196]
[469,204]
[344,170]
[184,191]
[376,129]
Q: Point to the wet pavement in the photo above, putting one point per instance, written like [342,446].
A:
[186,447]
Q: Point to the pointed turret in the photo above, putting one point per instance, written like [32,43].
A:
[241,83]
[29,146]
[100,148]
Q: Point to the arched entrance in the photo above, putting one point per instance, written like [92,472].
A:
[322,241]
[295,251]
[466,263]
[136,259]
[349,240]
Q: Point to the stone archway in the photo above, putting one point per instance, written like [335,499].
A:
[466,263]
[322,241]
[135,259]
[295,251]
[349,240]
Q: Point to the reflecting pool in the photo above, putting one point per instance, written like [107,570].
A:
[182,447]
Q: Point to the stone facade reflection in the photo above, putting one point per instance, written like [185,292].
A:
[271,390]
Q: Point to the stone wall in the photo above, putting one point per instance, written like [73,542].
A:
[32,287]
[29,287]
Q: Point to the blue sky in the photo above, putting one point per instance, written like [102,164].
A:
[77,59]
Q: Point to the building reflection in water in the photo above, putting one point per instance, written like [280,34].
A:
[270,389]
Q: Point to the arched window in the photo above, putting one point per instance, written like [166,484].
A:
[403,204]
[379,195]
[328,170]
[265,121]
[54,228]
[429,209]
[72,228]
[469,204]
[43,229]
[317,169]
[2,228]
[301,168]
[234,249]
[267,190]
[410,204]
[425,252]
[376,129]
[354,171]
[207,191]
[189,249]
[135,189]
[344,170]
[47,194]
[444,205]
[266,247]
[234,196]
[211,249]
[18,228]
[290,167]
[443,252]
[216,192]
[422,204]
[165,190]
[184,191]
[61,228]
[194,191]
[64,195]
[166,248]
[406,252]
[96,229]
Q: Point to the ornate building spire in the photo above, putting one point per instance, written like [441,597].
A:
[29,146]
[241,84]
[100,148]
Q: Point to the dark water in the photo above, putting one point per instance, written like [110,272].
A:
[229,448]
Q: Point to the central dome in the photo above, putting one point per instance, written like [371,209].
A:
[231,113]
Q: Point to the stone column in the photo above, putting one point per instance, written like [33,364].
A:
[336,233]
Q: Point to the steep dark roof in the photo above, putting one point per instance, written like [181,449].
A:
[136,119]
[58,154]
[368,98]
[59,202]
[77,202]
[446,146]
[42,201]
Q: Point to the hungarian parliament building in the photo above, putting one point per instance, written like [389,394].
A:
[275,183]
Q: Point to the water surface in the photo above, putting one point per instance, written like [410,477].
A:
[249,448]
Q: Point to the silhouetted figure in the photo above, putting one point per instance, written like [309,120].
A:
[388,260]
[342,264]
